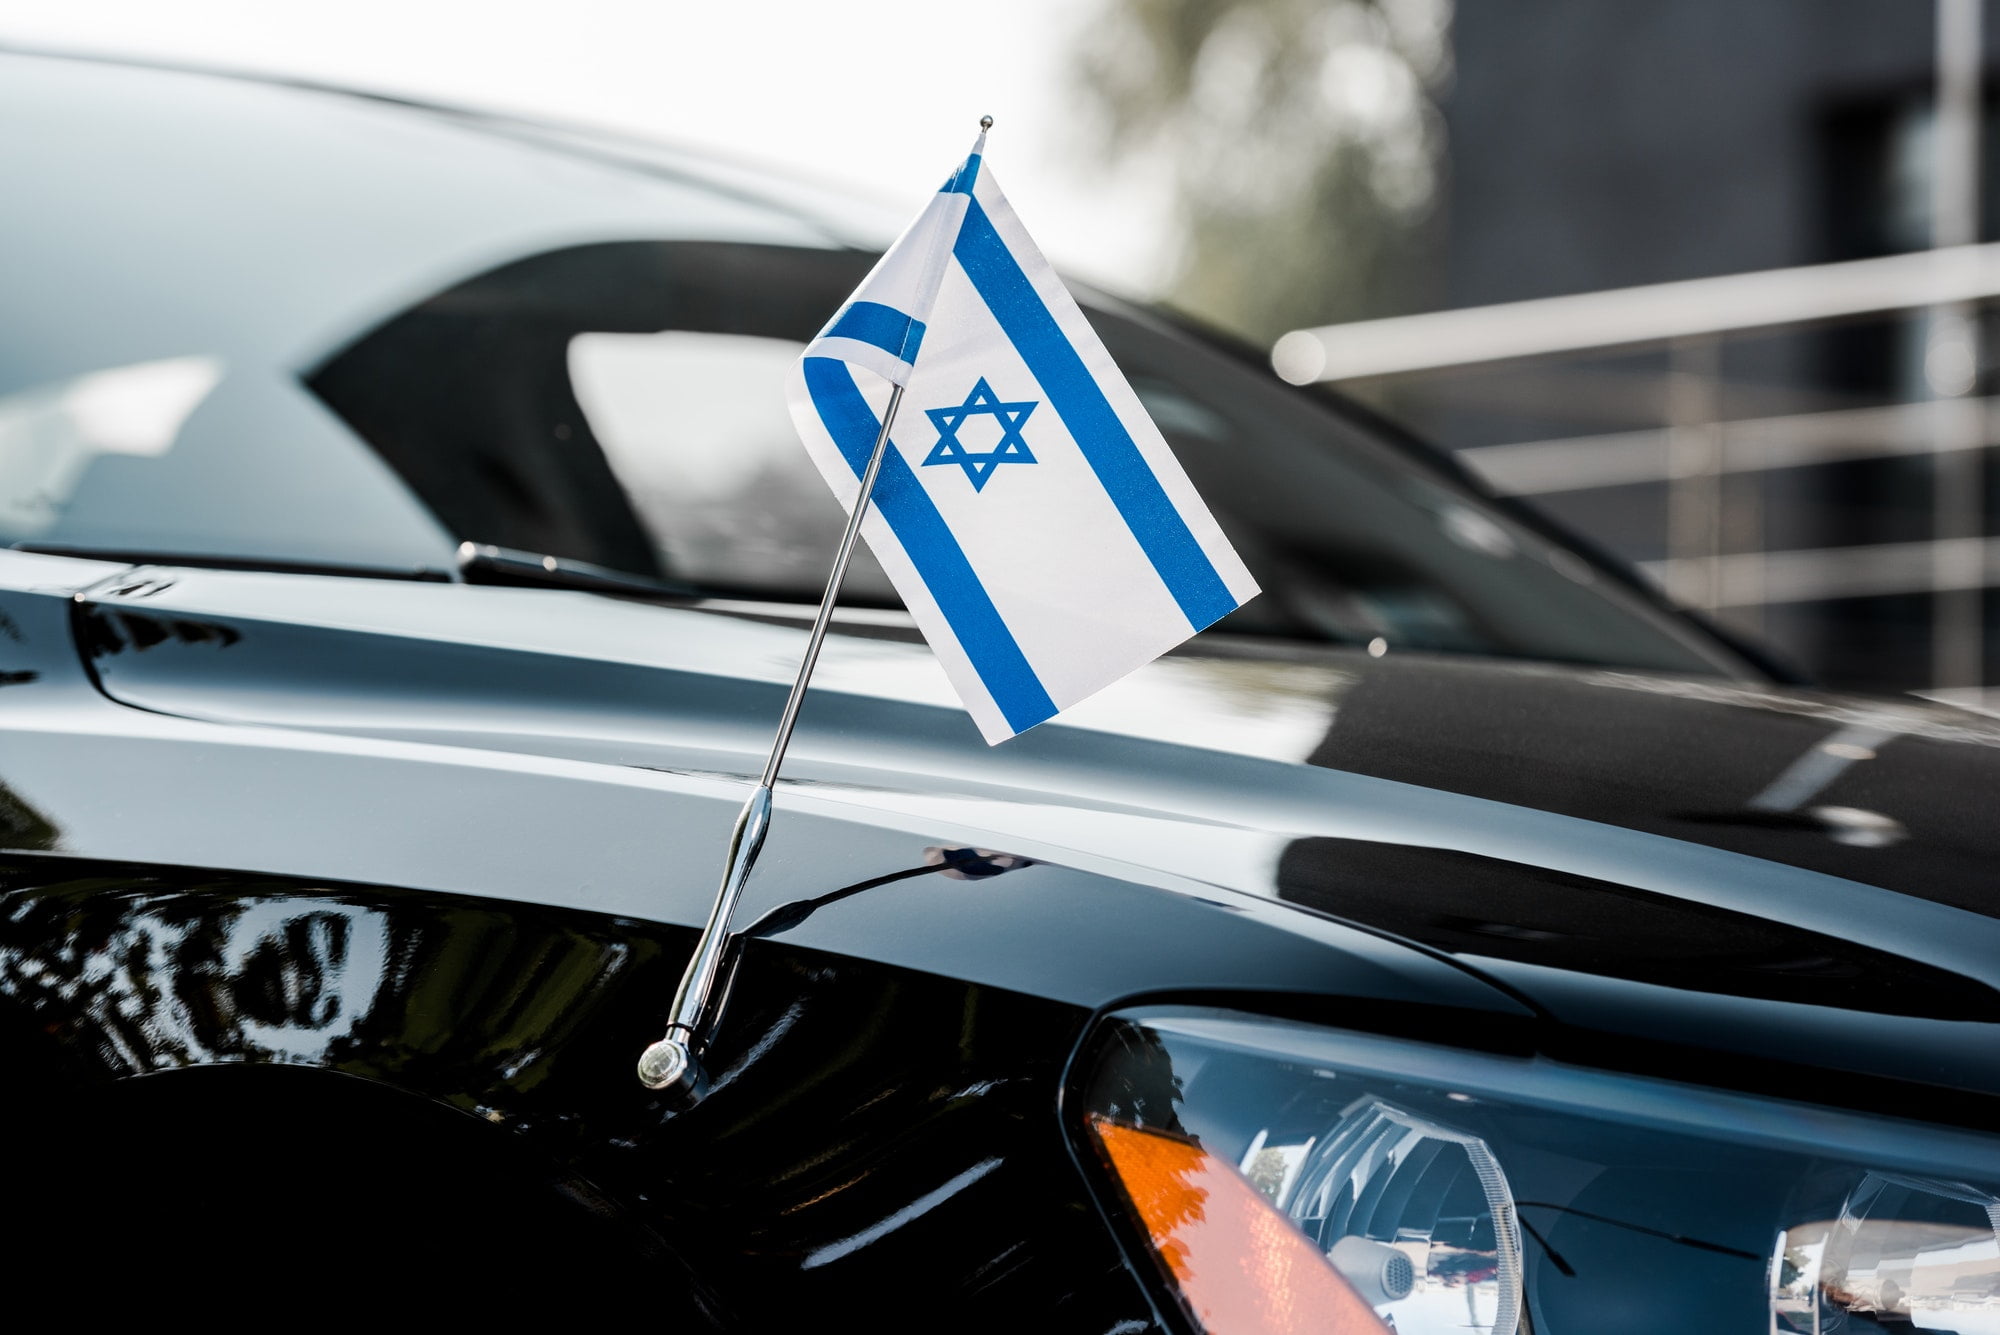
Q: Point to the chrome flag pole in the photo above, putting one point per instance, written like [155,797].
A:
[1108,519]
[674,1062]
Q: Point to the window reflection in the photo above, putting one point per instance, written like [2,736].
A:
[695,426]
[53,436]
[147,978]
[1903,1253]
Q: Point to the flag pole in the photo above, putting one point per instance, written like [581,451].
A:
[673,1063]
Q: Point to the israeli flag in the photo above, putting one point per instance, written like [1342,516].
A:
[1031,515]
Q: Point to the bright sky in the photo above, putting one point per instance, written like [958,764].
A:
[883,94]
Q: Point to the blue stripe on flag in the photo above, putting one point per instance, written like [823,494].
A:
[962,179]
[881,326]
[1162,534]
[929,542]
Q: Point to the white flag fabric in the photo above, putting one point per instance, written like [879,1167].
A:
[1031,515]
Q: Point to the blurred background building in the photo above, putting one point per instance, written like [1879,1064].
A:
[1793,480]
[1819,482]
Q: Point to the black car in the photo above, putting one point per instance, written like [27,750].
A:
[406,556]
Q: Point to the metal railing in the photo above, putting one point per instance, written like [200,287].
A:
[1697,446]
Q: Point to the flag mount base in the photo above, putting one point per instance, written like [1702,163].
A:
[670,1066]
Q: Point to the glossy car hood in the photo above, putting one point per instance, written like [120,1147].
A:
[1895,792]
[1654,856]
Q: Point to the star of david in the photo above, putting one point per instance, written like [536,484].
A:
[979,467]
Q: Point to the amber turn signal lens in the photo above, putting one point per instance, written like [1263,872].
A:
[1241,1266]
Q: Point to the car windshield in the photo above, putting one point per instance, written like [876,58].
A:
[613,402]
[623,405]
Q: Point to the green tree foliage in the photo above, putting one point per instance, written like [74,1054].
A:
[1304,143]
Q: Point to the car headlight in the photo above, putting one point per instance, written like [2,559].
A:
[1287,1177]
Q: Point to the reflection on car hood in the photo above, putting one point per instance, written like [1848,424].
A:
[1624,849]
[1892,792]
